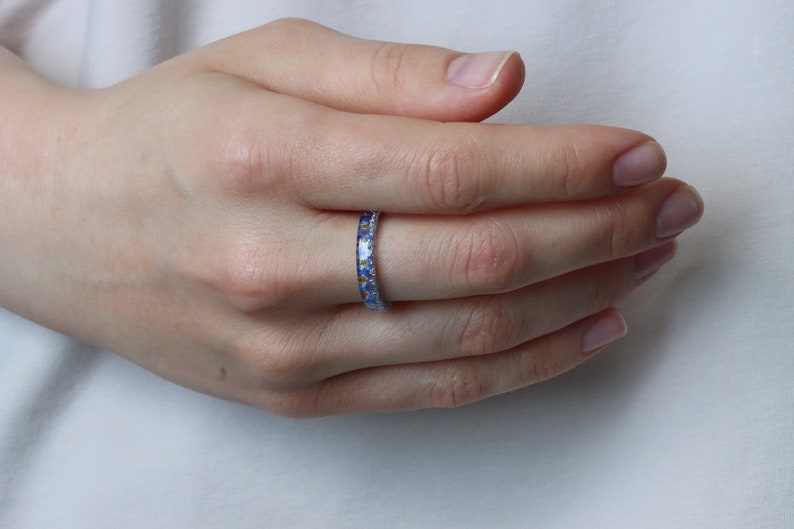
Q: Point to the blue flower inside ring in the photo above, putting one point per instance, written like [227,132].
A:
[365,262]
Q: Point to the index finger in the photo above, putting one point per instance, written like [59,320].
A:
[343,161]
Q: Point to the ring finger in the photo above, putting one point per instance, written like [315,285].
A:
[429,258]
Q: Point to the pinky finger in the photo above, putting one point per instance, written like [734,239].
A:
[454,383]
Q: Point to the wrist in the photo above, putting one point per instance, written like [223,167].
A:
[30,133]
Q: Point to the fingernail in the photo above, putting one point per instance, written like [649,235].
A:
[682,210]
[640,165]
[477,70]
[609,328]
[649,261]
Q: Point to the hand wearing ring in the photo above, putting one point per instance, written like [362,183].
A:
[211,242]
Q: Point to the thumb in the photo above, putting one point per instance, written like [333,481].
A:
[306,60]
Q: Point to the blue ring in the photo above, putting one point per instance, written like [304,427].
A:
[365,262]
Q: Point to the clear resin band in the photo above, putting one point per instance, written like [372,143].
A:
[365,262]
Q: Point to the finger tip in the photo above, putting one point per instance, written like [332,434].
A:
[511,78]
[477,104]
[608,327]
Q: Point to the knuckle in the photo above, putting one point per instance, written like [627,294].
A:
[248,277]
[600,295]
[250,162]
[487,328]
[566,159]
[277,359]
[388,68]
[242,162]
[284,367]
[447,178]
[488,259]
[461,385]
[288,28]
[547,364]
[617,236]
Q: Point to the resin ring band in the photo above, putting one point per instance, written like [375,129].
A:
[365,262]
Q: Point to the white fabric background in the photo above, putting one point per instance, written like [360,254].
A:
[688,422]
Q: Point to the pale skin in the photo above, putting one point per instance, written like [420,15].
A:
[199,219]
